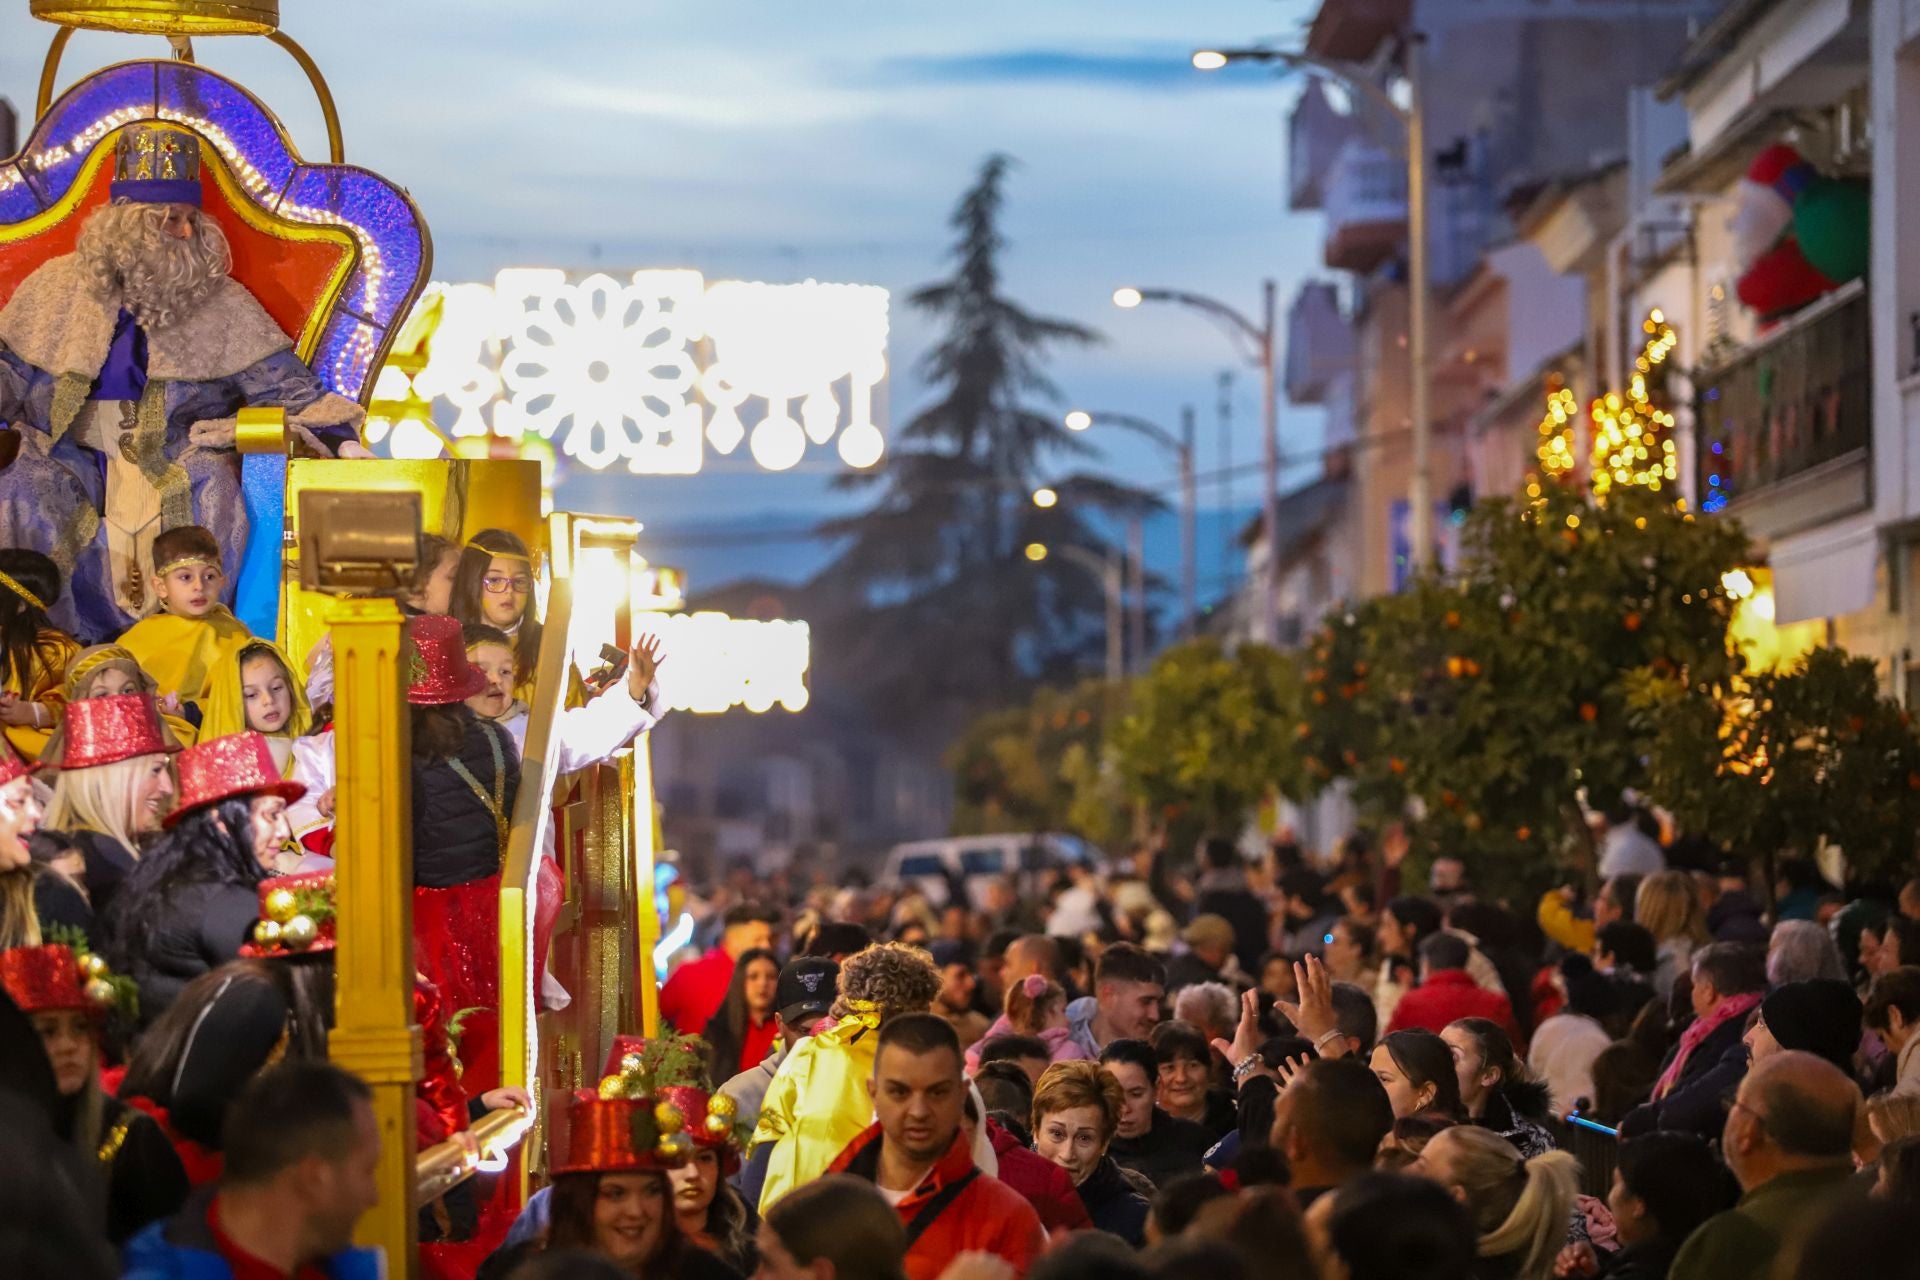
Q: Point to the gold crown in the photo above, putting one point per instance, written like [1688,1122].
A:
[165,17]
[157,152]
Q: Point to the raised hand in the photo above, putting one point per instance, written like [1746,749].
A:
[1313,1016]
[643,663]
[1246,1036]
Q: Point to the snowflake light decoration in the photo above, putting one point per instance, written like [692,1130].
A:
[611,372]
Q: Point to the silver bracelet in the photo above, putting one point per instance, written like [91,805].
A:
[1321,1041]
[1246,1067]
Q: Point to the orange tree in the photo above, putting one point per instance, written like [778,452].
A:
[1038,767]
[1202,742]
[1486,700]
[1781,761]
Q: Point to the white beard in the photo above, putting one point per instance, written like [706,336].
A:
[159,278]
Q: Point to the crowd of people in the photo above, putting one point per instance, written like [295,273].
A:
[1243,1063]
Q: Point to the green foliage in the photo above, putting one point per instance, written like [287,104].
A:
[1039,767]
[1489,698]
[1199,744]
[1781,761]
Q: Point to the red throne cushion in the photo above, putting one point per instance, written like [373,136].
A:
[294,269]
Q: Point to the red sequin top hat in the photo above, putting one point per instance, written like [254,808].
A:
[296,917]
[12,767]
[619,1135]
[240,764]
[675,1068]
[437,668]
[47,978]
[109,730]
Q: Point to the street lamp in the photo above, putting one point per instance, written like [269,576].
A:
[1126,297]
[1263,338]
[1044,498]
[1107,569]
[1412,118]
[1182,449]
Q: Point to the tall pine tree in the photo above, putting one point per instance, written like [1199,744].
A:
[937,613]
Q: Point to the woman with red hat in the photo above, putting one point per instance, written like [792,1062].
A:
[191,902]
[66,996]
[612,1158]
[466,775]
[33,896]
[115,786]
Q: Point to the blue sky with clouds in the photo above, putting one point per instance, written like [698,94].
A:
[762,140]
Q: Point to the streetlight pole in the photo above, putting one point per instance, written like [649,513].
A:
[1108,569]
[1263,338]
[1182,448]
[1412,118]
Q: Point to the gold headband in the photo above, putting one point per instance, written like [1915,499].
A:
[502,555]
[191,557]
[11,584]
[88,663]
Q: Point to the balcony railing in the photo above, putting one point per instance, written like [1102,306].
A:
[1794,407]
[1366,206]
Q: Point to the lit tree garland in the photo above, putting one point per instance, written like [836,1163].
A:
[1632,442]
[1556,431]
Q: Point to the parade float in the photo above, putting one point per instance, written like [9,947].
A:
[327,263]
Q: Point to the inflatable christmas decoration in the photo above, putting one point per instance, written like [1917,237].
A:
[1796,233]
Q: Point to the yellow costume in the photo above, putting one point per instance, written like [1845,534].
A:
[224,711]
[1558,922]
[817,1103]
[180,653]
[52,651]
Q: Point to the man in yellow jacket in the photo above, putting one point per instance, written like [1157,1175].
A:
[818,1101]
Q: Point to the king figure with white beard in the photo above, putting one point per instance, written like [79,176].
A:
[123,365]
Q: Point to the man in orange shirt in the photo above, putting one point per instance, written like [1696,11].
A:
[919,1157]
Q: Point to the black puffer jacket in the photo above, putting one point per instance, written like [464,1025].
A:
[455,838]
[194,928]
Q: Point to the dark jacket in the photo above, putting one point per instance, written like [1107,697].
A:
[1648,1260]
[1166,1150]
[1113,1204]
[58,902]
[183,1249]
[108,863]
[1698,1103]
[145,1180]
[196,928]
[455,837]
[1518,1114]
[1245,912]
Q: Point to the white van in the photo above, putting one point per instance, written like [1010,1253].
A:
[934,865]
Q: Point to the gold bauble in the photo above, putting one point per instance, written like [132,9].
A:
[722,1105]
[94,965]
[631,1062]
[100,991]
[718,1125]
[612,1087]
[299,932]
[281,906]
[673,1146]
[669,1118]
[267,933]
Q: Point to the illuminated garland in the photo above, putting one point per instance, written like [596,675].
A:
[1632,444]
[1556,431]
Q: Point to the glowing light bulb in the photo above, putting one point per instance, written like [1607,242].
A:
[1079,420]
[1045,498]
[1208,60]
[1126,297]
[1036,551]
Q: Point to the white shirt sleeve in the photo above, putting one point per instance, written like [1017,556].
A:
[589,735]
[312,766]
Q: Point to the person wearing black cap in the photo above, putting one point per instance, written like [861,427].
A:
[801,997]
[954,960]
[1820,1016]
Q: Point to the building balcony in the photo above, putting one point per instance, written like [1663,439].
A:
[1366,207]
[1786,423]
[1319,343]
